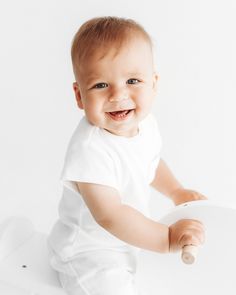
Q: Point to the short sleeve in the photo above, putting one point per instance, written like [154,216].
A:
[88,163]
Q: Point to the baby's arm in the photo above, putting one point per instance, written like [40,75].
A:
[131,226]
[166,183]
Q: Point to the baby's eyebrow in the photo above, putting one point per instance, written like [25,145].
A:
[90,78]
[134,74]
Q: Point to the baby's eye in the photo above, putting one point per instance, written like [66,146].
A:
[133,81]
[100,85]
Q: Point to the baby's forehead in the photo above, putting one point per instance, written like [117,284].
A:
[131,58]
[113,50]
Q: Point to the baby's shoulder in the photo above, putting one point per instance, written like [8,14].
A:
[86,140]
[85,133]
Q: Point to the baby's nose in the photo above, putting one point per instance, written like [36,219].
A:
[118,95]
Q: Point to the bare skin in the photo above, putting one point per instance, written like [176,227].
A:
[166,183]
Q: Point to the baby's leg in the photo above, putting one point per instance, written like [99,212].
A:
[107,282]
[101,272]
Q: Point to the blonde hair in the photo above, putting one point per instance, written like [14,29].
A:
[101,32]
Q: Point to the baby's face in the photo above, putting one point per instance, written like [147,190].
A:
[116,89]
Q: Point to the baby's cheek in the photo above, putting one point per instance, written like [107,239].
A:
[145,104]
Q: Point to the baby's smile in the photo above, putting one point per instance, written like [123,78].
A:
[120,115]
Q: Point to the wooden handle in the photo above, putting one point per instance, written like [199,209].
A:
[189,254]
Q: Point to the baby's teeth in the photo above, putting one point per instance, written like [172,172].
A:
[120,114]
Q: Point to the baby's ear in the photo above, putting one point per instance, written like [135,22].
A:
[78,95]
[155,79]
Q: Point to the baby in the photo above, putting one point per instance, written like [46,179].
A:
[112,160]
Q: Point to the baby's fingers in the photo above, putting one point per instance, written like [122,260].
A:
[191,238]
[186,232]
[194,234]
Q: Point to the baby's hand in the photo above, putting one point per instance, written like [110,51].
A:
[182,195]
[185,232]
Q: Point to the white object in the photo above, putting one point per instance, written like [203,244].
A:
[212,272]
[204,211]
[189,254]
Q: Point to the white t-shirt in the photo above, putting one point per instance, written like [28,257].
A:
[95,155]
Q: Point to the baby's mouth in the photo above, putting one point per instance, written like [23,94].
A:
[120,114]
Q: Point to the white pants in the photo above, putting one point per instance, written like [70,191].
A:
[100,272]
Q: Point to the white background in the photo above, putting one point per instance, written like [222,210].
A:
[195,107]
